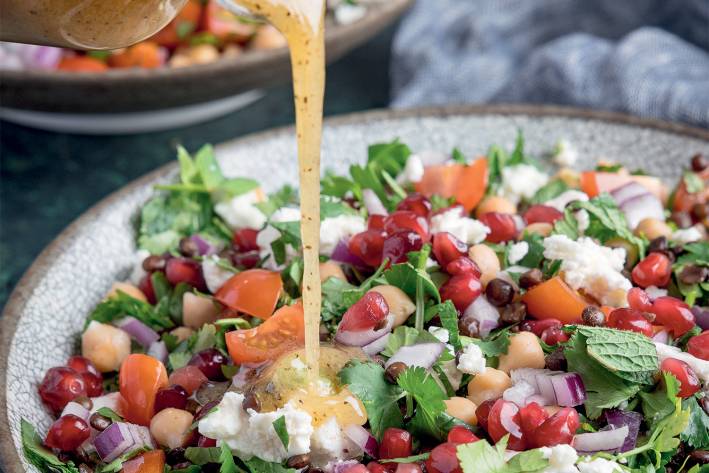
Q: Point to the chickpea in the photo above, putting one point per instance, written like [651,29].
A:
[181,59]
[128,289]
[171,427]
[495,203]
[653,228]
[331,269]
[268,37]
[182,333]
[232,51]
[462,408]
[486,259]
[570,177]
[203,53]
[490,384]
[540,228]
[524,352]
[400,305]
[197,310]
[105,345]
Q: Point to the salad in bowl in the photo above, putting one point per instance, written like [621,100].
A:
[484,314]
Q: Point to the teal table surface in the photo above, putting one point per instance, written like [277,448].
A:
[48,179]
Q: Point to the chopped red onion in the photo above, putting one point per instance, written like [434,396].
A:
[424,355]
[701,316]
[363,337]
[363,438]
[546,388]
[141,435]
[661,337]
[641,207]
[341,466]
[158,350]
[377,345]
[507,413]
[483,315]
[76,409]
[569,389]
[618,418]
[627,192]
[611,440]
[373,203]
[203,246]
[138,330]
[114,441]
[343,254]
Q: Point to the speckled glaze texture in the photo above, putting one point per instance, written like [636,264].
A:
[46,312]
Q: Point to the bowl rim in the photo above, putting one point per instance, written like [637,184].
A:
[373,16]
[9,456]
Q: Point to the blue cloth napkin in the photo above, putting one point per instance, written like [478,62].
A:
[646,57]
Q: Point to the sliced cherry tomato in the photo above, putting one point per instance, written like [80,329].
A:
[593,183]
[465,183]
[81,64]
[140,379]
[185,23]
[684,201]
[284,331]
[149,462]
[254,291]
[554,299]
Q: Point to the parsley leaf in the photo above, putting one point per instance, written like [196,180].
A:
[551,189]
[285,196]
[495,344]
[405,276]
[380,399]
[40,456]
[449,321]
[535,254]
[697,432]
[122,304]
[607,221]
[481,457]
[279,425]
[203,455]
[226,458]
[660,403]
[256,465]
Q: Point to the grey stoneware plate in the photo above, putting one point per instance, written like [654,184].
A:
[135,90]
[46,312]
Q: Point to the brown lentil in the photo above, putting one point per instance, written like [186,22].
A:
[692,274]
[324,333]
[682,219]
[531,278]
[700,456]
[513,313]
[394,370]
[593,316]
[299,461]
[700,211]
[188,247]
[251,401]
[499,292]
[84,468]
[99,422]
[699,162]
[175,456]
[658,244]
[555,361]
[154,263]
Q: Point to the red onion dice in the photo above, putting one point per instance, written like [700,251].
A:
[140,332]
[363,438]
[424,355]
[611,440]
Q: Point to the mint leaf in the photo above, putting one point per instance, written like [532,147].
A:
[38,455]
[697,432]
[604,389]
[380,399]
[279,425]
[330,208]
[607,221]
[568,225]
[390,157]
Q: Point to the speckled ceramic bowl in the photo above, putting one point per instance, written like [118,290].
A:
[45,313]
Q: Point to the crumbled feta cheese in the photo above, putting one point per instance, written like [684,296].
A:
[699,366]
[687,235]
[521,181]
[588,265]
[565,154]
[517,251]
[519,393]
[599,465]
[334,229]
[347,13]
[269,234]
[583,220]
[413,171]
[653,292]
[565,198]
[562,459]
[466,229]
[214,275]
[138,273]
[329,443]
[472,360]
[240,211]
[440,333]
[250,433]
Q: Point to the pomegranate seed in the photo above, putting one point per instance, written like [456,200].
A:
[699,346]
[463,265]
[400,244]
[210,362]
[443,459]
[247,260]
[376,467]
[189,377]
[673,314]
[172,396]
[502,226]
[368,247]
[406,220]
[60,386]
[355,469]
[554,336]
[185,270]
[460,434]
[483,412]
[630,319]
[206,442]
[654,270]
[504,416]
[531,417]
[462,290]
[557,429]
[365,314]
[408,468]
[91,375]
[146,287]
[417,204]
[688,381]
[94,384]
[396,443]
[542,214]
[537,327]
[639,300]
[245,240]
[67,433]
[447,248]
[375,222]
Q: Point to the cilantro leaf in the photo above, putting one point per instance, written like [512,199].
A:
[696,253]
[226,458]
[203,455]
[38,455]
[449,321]
[495,344]
[279,425]
[405,276]
[607,221]
[380,399]
[285,196]
[551,189]
[122,304]
[404,336]
[568,225]
[697,432]
[481,457]
[660,403]
[330,208]
[535,254]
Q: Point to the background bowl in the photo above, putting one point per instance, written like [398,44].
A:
[134,90]
[47,309]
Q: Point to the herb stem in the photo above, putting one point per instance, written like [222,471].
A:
[421,266]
